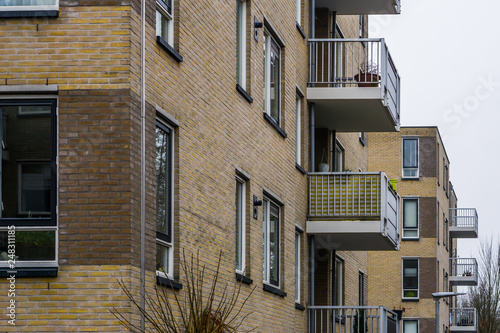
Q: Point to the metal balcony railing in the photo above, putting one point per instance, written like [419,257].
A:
[463,319]
[464,222]
[355,319]
[463,271]
[366,62]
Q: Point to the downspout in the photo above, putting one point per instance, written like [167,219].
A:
[312,106]
[143,163]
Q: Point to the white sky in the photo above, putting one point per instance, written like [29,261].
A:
[446,52]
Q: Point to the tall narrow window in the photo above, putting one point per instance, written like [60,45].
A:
[338,282]
[271,244]
[338,163]
[410,278]
[28,182]
[361,289]
[164,199]
[298,12]
[410,218]
[297,267]
[298,130]
[165,20]
[410,158]
[272,77]
[410,326]
[240,225]
[241,43]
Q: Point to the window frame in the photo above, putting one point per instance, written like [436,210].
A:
[241,187]
[269,42]
[412,320]
[267,205]
[241,43]
[162,9]
[361,288]
[298,261]
[30,11]
[298,129]
[163,239]
[417,228]
[339,281]
[21,224]
[413,167]
[403,279]
[339,151]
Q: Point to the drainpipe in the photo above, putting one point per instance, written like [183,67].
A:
[143,163]
[313,267]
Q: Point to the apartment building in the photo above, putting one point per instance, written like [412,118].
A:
[432,223]
[133,131]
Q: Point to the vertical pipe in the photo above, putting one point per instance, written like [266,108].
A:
[143,163]
[437,314]
[313,267]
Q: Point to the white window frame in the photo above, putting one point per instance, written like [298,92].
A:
[403,218]
[417,169]
[241,45]
[403,276]
[269,40]
[298,13]
[339,151]
[30,8]
[298,130]
[266,246]
[162,11]
[410,319]
[241,225]
[170,245]
[298,261]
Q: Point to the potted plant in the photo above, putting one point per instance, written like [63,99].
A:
[368,75]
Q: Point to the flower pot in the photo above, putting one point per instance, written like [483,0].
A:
[323,167]
[367,79]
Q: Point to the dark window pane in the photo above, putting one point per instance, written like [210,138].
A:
[163,181]
[29,245]
[410,274]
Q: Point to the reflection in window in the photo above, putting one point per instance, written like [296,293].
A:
[271,242]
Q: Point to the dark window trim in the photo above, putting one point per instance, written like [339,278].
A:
[410,178]
[29,272]
[45,221]
[244,93]
[168,283]
[362,141]
[410,300]
[243,279]
[29,13]
[300,307]
[170,50]
[297,24]
[274,290]
[301,169]
[273,123]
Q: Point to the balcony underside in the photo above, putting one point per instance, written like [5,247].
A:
[351,109]
[463,232]
[350,235]
[462,329]
[463,281]
[359,7]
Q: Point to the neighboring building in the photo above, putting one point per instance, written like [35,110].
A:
[431,224]
[121,150]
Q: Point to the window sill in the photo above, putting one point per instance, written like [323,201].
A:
[163,281]
[170,50]
[300,30]
[410,239]
[273,124]
[410,178]
[244,93]
[243,279]
[301,169]
[29,13]
[410,300]
[29,272]
[300,307]
[274,290]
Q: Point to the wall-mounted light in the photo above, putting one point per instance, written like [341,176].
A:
[256,25]
[256,203]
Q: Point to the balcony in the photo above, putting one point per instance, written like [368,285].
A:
[463,223]
[354,84]
[353,211]
[361,7]
[463,272]
[368,319]
[463,320]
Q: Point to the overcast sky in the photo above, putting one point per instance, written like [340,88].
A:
[448,57]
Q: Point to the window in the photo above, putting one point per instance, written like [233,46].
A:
[410,158]
[164,199]
[298,11]
[32,8]
[338,162]
[298,130]
[410,278]
[28,181]
[240,224]
[241,43]
[361,289]
[272,77]
[410,326]
[410,218]
[297,266]
[271,267]
[338,282]
[165,20]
